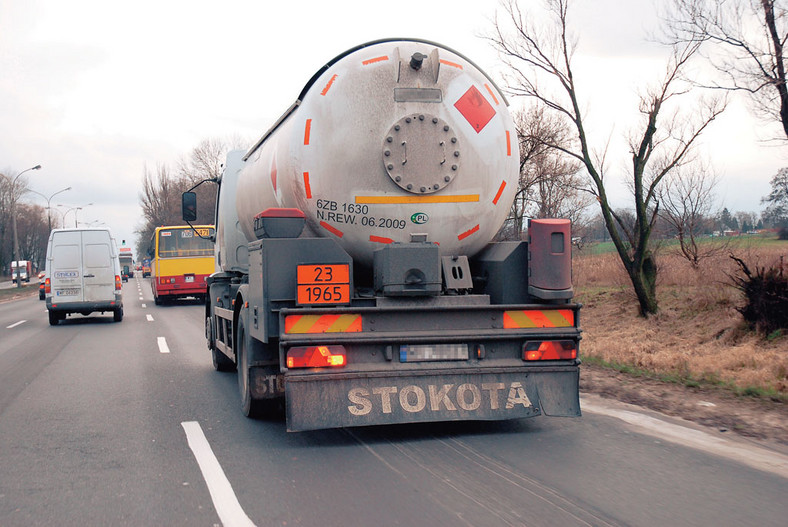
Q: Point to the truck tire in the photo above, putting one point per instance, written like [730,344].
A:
[250,406]
[117,314]
[53,318]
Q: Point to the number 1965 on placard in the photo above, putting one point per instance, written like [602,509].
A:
[323,284]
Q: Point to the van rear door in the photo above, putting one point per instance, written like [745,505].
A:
[97,266]
[66,272]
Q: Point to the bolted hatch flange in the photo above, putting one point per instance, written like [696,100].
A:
[421,153]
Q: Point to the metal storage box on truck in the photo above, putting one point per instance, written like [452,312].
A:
[83,270]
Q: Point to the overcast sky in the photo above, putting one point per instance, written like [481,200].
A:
[95,91]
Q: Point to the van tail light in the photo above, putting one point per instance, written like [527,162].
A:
[47,287]
[316,357]
[118,283]
[550,350]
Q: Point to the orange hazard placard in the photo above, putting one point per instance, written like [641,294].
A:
[323,284]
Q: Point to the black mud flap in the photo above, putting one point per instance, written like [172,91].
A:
[332,400]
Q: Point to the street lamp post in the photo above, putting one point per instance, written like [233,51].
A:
[49,199]
[75,209]
[13,222]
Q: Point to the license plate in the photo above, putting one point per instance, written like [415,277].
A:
[323,284]
[66,292]
[432,352]
[188,279]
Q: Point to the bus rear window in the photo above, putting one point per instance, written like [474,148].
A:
[184,243]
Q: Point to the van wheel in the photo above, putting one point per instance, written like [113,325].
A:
[53,318]
[117,315]
[250,406]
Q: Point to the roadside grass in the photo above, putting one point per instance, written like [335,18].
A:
[698,339]
[13,293]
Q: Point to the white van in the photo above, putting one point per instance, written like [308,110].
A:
[83,270]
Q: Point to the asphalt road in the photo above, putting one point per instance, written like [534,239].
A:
[105,423]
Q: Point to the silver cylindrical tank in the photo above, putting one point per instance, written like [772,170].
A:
[391,139]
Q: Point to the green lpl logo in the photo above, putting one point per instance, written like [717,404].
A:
[419,218]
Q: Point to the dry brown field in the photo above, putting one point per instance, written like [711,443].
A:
[698,338]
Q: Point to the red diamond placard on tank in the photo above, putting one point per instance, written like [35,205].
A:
[475,108]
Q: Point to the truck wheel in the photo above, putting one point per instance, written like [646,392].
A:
[249,406]
[156,300]
[117,315]
[53,318]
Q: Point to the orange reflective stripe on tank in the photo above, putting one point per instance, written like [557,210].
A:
[500,191]
[307,186]
[328,86]
[322,324]
[333,230]
[380,239]
[308,131]
[491,93]
[508,144]
[376,59]
[452,64]
[538,318]
[467,233]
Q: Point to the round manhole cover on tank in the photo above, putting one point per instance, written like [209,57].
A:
[421,153]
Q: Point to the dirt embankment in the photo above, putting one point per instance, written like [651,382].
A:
[717,408]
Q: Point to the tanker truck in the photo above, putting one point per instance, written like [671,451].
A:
[356,282]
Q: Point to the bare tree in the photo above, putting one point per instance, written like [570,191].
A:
[540,58]
[748,39]
[161,193]
[549,183]
[687,198]
[33,232]
[205,160]
[160,202]
[27,218]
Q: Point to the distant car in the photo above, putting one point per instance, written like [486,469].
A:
[41,282]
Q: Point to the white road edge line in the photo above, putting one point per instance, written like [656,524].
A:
[149,317]
[143,305]
[224,500]
[751,455]
[163,348]
[15,325]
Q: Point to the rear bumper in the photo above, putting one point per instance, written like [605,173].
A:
[84,307]
[180,288]
[380,386]
[181,291]
[331,400]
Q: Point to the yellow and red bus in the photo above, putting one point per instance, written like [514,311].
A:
[182,261]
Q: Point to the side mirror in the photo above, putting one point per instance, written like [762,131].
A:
[189,206]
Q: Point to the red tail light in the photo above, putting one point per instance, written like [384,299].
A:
[316,357]
[47,286]
[118,283]
[550,350]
